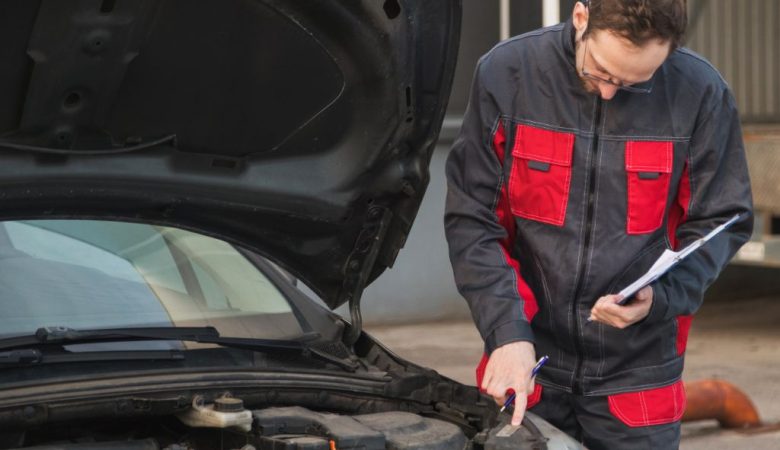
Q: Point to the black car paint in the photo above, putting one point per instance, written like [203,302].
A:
[272,124]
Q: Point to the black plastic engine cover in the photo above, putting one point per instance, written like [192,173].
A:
[407,431]
[534,434]
[281,427]
[508,437]
[348,433]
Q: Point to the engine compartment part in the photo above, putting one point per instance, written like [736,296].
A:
[533,434]
[225,412]
[388,430]
[275,428]
[357,424]
[152,432]
[406,431]
[145,444]
[273,424]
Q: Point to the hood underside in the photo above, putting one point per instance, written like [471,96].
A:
[299,129]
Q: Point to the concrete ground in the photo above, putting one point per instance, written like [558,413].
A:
[737,341]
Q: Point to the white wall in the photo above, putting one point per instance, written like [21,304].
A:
[419,287]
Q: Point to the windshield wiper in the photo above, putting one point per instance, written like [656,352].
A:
[205,335]
[23,356]
[32,356]
[66,335]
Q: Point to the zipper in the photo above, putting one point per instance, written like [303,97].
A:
[577,386]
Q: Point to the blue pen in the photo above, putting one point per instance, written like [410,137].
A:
[534,371]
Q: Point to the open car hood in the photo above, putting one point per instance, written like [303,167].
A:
[299,129]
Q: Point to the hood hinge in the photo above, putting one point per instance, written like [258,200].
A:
[360,264]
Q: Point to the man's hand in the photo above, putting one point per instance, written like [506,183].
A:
[509,367]
[607,311]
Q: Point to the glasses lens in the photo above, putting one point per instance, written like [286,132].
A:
[608,81]
[598,79]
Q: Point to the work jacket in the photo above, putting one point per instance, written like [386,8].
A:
[557,197]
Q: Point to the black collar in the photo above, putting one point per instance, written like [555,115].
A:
[568,42]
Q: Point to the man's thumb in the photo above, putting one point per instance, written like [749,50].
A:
[644,294]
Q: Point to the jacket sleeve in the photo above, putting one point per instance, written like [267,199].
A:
[715,187]
[485,274]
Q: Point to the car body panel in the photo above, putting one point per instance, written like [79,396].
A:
[269,123]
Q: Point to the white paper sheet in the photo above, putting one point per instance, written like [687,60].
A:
[668,259]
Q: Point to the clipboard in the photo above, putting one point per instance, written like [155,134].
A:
[669,259]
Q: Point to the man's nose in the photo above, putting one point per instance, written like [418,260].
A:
[607,90]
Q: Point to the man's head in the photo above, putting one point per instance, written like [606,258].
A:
[623,42]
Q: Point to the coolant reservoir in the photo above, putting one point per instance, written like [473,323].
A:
[225,412]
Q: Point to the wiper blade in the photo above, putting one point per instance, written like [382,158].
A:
[206,335]
[66,335]
[59,335]
[23,356]
[29,357]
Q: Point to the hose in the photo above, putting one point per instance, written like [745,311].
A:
[720,400]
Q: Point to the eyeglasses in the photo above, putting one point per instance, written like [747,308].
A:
[617,84]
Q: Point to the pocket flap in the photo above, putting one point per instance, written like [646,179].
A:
[537,144]
[649,156]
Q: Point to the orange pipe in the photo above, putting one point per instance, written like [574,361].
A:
[720,400]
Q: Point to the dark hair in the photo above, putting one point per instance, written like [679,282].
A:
[640,21]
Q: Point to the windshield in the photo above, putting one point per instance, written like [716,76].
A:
[95,274]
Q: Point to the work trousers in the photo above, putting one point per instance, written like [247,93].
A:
[589,420]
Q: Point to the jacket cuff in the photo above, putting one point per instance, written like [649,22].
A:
[660,305]
[517,330]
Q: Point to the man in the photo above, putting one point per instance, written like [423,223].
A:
[587,149]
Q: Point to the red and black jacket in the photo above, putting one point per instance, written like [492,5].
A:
[556,197]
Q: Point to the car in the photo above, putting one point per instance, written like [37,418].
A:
[187,191]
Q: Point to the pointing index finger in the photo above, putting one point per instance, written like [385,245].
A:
[520,404]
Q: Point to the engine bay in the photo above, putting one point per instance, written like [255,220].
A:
[278,428]
[392,405]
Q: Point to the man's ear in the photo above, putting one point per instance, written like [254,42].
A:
[579,17]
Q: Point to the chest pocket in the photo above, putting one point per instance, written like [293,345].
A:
[648,168]
[541,174]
